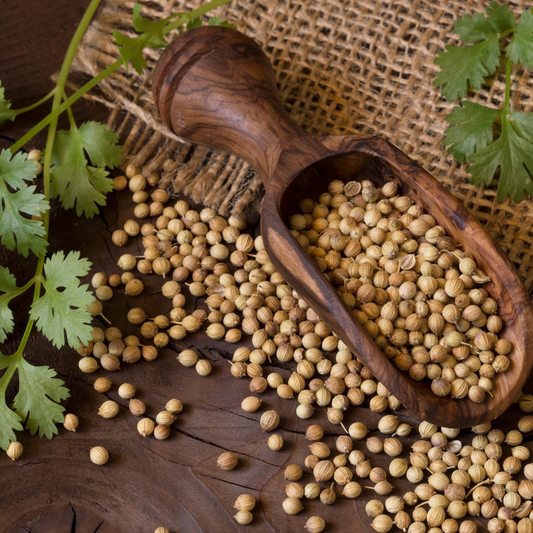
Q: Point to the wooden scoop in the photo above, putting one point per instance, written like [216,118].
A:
[215,86]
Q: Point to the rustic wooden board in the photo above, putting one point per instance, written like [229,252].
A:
[54,488]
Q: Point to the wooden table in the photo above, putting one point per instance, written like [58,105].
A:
[54,488]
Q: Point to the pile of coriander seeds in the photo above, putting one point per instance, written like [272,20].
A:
[418,296]
[201,255]
[454,484]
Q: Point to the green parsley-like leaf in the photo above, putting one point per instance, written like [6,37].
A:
[213,21]
[194,23]
[466,66]
[520,49]
[100,144]
[501,17]
[217,21]
[471,129]
[9,423]
[62,310]
[473,29]
[8,285]
[36,400]
[6,113]
[15,171]
[523,125]
[73,180]
[512,153]
[17,199]
[131,49]
[9,420]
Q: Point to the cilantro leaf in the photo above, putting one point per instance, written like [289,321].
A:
[152,36]
[15,171]
[64,312]
[466,66]
[9,420]
[73,180]
[20,232]
[523,125]
[37,397]
[213,21]
[471,129]
[5,112]
[520,49]
[8,285]
[512,153]
[9,423]
[194,23]
[501,17]
[473,29]
[100,144]
[217,21]
[17,231]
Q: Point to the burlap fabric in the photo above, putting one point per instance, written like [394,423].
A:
[343,67]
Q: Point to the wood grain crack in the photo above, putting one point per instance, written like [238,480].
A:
[73,526]
[228,482]
[199,439]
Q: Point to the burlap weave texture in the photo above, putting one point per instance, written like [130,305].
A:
[343,67]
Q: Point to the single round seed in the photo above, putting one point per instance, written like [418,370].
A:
[99,455]
[227,461]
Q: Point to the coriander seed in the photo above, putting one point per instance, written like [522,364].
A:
[243,517]
[88,365]
[71,422]
[137,407]
[145,426]
[292,506]
[162,432]
[227,461]
[165,418]
[269,420]
[108,409]
[174,406]
[275,442]
[245,502]
[102,385]
[315,524]
[99,455]
[14,450]
[127,391]
[251,404]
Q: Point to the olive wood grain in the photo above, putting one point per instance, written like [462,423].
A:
[215,86]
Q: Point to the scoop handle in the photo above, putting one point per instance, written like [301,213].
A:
[215,86]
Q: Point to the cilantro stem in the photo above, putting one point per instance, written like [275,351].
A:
[6,378]
[508,69]
[202,10]
[56,111]
[23,289]
[66,104]
[18,292]
[70,114]
[34,105]
[58,95]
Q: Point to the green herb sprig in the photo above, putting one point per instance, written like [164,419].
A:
[73,170]
[493,142]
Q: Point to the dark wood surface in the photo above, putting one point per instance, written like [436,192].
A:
[215,86]
[54,488]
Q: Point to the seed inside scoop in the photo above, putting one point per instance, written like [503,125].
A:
[416,293]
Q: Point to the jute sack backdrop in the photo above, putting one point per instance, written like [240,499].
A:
[343,67]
